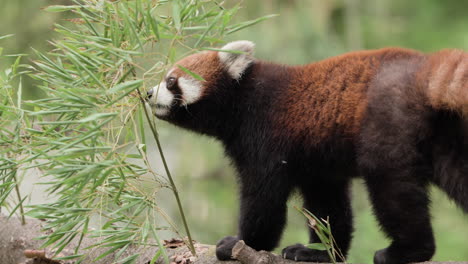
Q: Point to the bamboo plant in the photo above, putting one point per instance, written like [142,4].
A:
[88,134]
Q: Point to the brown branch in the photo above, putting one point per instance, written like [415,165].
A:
[246,254]
[18,245]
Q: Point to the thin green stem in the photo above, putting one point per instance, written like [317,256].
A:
[169,176]
[18,194]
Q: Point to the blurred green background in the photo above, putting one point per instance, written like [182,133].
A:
[304,31]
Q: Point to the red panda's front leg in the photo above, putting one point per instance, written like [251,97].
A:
[264,193]
[326,199]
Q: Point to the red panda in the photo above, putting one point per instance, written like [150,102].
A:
[394,116]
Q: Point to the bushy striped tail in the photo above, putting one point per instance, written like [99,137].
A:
[445,78]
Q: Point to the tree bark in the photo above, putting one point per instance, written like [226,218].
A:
[19,246]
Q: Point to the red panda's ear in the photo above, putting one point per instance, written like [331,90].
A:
[238,56]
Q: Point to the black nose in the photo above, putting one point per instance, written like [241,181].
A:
[149,93]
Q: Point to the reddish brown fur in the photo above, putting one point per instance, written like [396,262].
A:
[329,97]
[206,64]
[444,78]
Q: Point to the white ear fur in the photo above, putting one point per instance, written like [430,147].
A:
[236,63]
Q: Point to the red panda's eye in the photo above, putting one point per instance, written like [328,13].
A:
[170,82]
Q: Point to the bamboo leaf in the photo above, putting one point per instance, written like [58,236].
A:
[60,8]
[176,14]
[129,85]
[213,23]
[243,25]
[317,246]
[6,36]
[96,116]
[130,259]
[69,257]
[194,75]
[154,24]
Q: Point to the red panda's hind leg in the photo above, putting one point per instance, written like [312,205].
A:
[393,159]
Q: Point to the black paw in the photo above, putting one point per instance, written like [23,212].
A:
[381,257]
[405,255]
[224,247]
[300,252]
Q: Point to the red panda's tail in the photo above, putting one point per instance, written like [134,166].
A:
[445,79]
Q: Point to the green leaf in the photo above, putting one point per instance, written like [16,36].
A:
[61,8]
[317,246]
[154,24]
[176,14]
[224,50]
[243,25]
[213,23]
[160,246]
[96,116]
[130,259]
[130,85]
[189,72]
[155,257]
[69,257]
[6,36]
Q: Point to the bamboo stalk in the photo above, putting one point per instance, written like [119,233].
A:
[169,176]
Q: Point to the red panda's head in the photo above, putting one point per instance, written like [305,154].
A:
[180,95]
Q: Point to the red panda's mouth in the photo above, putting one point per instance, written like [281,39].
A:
[161,110]
[160,106]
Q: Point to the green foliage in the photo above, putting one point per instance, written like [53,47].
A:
[323,231]
[11,137]
[87,136]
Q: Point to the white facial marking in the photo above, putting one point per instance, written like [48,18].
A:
[161,100]
[191,89]
[160,111]
[236,63]
[163,95]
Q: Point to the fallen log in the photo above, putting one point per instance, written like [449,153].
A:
[19,246]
